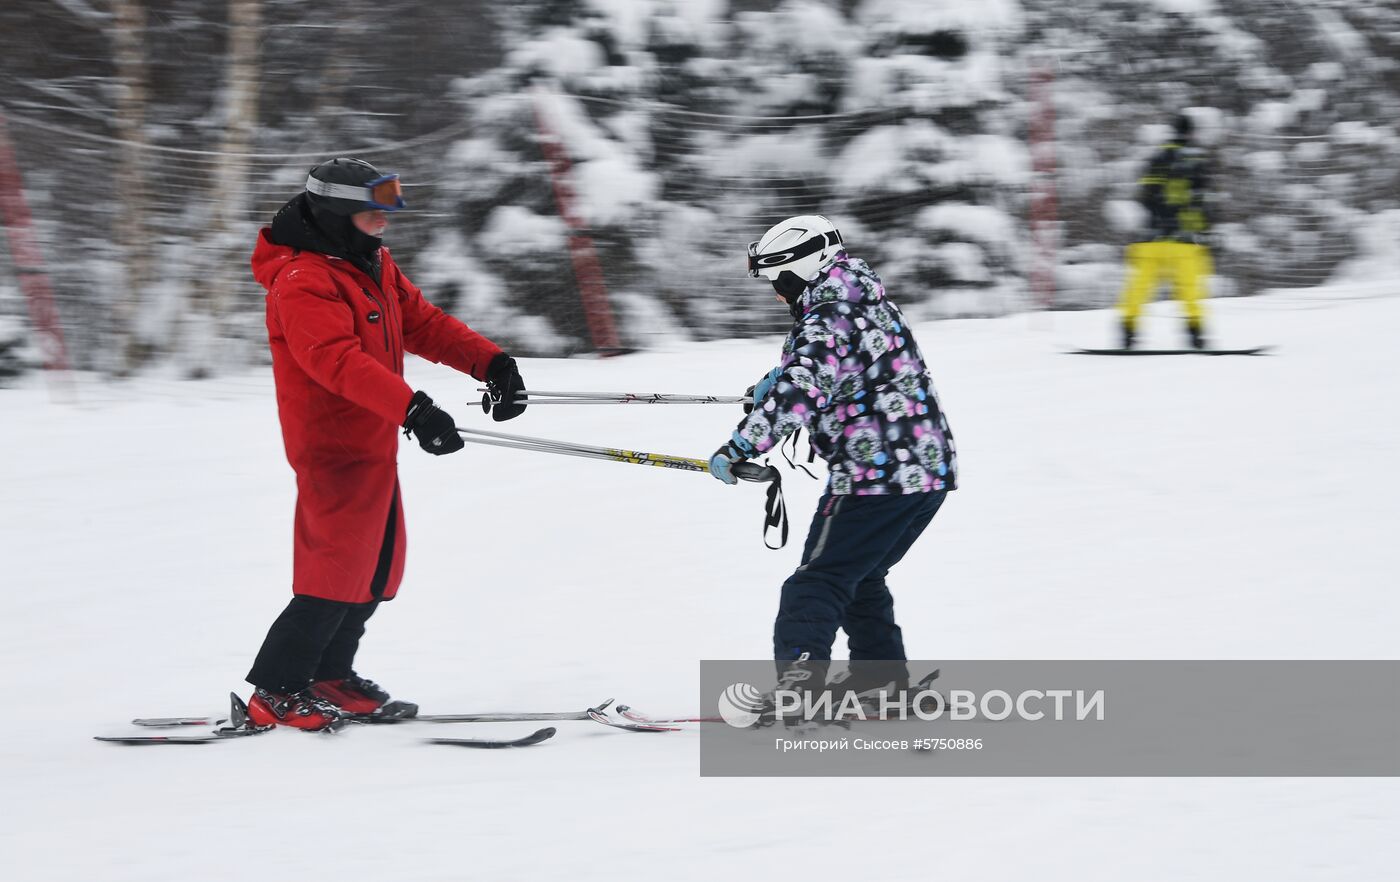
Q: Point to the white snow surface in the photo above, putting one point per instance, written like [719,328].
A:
[1111,508]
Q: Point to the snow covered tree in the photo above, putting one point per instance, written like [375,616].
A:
[687,128]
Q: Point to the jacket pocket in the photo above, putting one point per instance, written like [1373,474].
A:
[377,317]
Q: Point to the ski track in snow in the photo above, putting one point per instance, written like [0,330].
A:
[1111,508]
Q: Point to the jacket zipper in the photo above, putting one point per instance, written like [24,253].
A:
[383,311]
[388,317]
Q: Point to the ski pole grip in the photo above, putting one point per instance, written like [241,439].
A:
[752,471]
[775,509]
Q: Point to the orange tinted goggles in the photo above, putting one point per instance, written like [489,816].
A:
[385,193]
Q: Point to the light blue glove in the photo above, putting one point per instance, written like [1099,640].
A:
[722,463]
[765,385]
[759,391]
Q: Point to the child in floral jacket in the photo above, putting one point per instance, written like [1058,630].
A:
[853,377]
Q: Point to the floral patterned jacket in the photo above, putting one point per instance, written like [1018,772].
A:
[852,375]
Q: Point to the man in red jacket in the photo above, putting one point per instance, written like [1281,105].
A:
[340,316]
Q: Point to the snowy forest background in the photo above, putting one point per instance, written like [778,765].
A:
[153,137]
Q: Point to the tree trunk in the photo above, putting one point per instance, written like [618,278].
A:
[129,54]
[229,239]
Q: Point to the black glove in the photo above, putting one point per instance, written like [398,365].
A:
[506,388]
[434,428]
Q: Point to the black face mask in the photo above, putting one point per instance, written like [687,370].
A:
[361,243]
[341,231]
[789,285]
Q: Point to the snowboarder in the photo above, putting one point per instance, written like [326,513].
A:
[1173,190]
[340,316]
[853,377]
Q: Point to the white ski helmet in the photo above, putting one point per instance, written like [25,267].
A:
[803,245]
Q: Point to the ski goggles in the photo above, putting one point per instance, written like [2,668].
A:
[759,262]
[384,193]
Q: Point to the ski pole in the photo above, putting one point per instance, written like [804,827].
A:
[648,397]
[541,396]
[487,403]
[775,512]
[748,471]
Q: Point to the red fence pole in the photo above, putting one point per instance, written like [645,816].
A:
[25,255]
[597,309]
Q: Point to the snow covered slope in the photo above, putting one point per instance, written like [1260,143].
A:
[1111,508]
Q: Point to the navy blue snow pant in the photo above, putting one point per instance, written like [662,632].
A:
[853,542]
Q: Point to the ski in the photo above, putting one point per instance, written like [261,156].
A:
[641,718]
[493,743]
[175,722]
[604,712]
[600,713]
[638,718]
[393,712]
[1252,350]
[236,726]
[239,726]
[217,735]
[505,717]
[871,704]
[226,734]
[605,716]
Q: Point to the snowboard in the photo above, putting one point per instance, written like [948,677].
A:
[1252,350]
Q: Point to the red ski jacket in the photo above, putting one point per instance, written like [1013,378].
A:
[338,340]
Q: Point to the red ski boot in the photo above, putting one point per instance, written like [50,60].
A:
[360,697]
[300,710]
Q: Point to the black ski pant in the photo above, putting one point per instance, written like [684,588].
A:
[853,542]
[313,639]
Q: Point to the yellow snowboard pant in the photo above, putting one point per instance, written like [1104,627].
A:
[1183,264]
